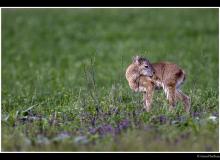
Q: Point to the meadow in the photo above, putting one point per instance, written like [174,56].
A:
[64,87]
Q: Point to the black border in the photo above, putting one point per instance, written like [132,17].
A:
[102,156]
[110,3]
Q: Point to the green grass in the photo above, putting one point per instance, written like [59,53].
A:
[64,89]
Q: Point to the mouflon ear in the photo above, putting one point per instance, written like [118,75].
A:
[136,59]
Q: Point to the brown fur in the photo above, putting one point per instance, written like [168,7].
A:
[168,76]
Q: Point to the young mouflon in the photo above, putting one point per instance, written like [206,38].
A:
[145,77]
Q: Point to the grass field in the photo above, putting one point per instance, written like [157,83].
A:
[64,88]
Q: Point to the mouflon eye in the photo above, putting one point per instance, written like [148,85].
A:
[146,66]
